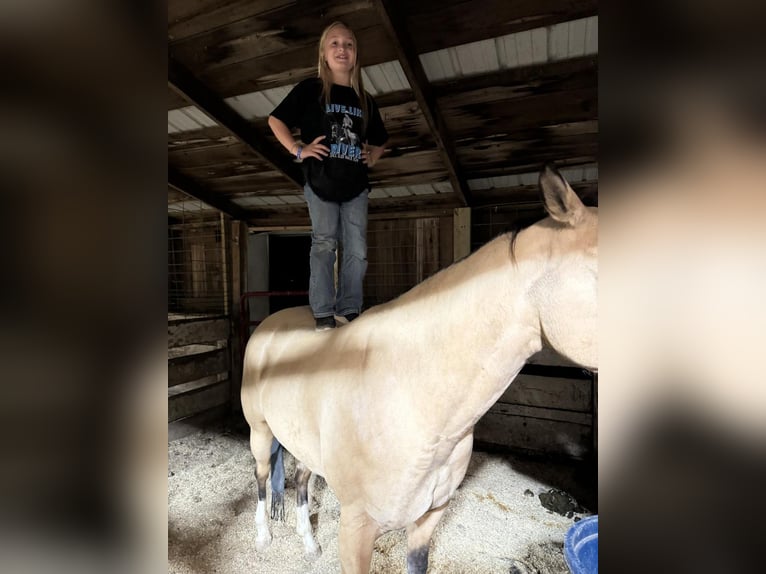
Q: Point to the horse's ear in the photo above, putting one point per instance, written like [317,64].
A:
[560,200]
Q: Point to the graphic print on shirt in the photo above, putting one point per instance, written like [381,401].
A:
[344,139]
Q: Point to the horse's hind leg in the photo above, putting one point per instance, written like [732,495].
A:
[419,538]
[303,526]
[260,446]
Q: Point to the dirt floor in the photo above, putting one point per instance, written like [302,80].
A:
[509,515]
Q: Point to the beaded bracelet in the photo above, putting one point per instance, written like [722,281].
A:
[298,153]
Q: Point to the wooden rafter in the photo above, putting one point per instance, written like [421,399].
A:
[183,82]
[583,68]
[190,187]
[409,59]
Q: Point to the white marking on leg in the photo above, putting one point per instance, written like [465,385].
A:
[263,535]
[303,528]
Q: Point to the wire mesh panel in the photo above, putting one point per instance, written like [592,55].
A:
[402,253]
[490,221]
[199,249]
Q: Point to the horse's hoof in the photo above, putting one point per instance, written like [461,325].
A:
[313,554]
[262,542]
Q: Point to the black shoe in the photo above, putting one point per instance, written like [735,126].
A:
[324,323]
[351,316]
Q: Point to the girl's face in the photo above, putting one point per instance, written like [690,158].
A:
[340,52]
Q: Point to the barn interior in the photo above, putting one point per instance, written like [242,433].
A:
[476,97]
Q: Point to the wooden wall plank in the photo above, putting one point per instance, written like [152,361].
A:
[552,392]
[534,435]
[198,332]
[193,402]
[193,367]
[211,419]
[544,413]
[461,238]
[446,241]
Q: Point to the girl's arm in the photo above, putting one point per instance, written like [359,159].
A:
[285,137]
[371,154]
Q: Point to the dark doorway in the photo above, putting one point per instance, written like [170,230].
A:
[288,269]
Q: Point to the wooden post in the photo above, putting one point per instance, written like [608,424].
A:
[595,414]
[461,232]
[238,252]
[225,252]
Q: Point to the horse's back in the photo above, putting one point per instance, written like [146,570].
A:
[290,319]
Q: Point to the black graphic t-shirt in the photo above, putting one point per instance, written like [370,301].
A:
[341,175]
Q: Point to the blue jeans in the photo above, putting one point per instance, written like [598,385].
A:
[332,223]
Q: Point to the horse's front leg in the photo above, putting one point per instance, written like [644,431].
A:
[358,533]
[419,538]
[260,445]
[303,526]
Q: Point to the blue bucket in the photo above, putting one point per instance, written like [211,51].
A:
[581,546]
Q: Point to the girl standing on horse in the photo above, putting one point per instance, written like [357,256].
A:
[336,163]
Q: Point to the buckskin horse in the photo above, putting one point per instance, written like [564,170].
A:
[384,408]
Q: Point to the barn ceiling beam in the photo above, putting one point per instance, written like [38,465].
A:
[587,191]
[185,84]
[395,24]
[190,187]
[582,70]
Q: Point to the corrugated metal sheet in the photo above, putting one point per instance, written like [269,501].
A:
[258,104]
[537,46]
[385,78]
[188,119]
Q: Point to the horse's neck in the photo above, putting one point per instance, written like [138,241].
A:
[480,328]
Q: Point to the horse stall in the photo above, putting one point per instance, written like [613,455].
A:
[199,380]
[531,475]
[202,339]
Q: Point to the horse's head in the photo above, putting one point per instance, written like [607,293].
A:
[566,293]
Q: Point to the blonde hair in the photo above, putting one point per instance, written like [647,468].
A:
[323,70]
